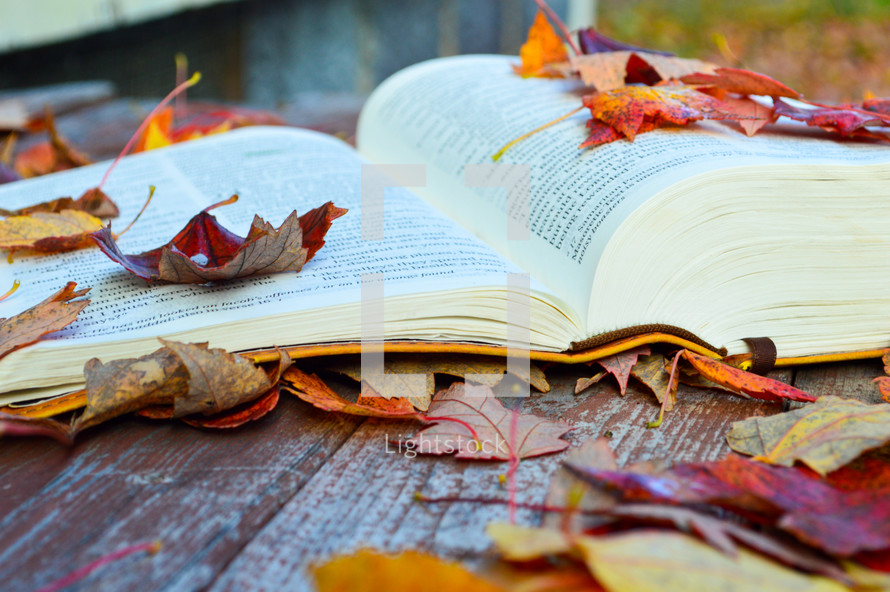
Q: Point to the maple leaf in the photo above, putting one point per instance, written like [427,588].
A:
[410,571]
[191,377]
[49,232]
[650,370]
[654,561]
[485,370]
[542,48]
[476,407]
[54,313]
[313,390]
[743,82]
[18,425]
[629,109]
[204,251]
[825,436]
[750,114]
[620,365]
[752,385]
[840,522]
[845,121]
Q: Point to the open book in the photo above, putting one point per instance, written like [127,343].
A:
[699,230]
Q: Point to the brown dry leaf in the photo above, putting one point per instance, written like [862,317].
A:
[608,70]
[524,543]
[18,425]
[54,313]
[93,201]
[410,571]
[655,561]
[825,435]
[582,384]
[486,370]
[49,232]
[218,380]
[568,491]
[651,371]
[461,406]
[313,390]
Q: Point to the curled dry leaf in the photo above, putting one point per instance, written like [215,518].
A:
[542,48]
[204,251]
[313,390]
[237,416]
[17,425]
[650,370]
[845,121]
[825,436]
[477,407]
[410,571]
[191,377]
[759,387]
[94,202]
[54,313]
[743,82]
[49,157]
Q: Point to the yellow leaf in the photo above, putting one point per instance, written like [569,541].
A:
[524,543]
[542,47]
[48,231]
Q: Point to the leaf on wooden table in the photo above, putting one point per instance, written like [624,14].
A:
[568,491]
[410,571]
[582,384]
[313,390]
[542,48]
[487,370]
[743,82]
[825,435]
[19,425]
[478,408]
[49,157]
[237,416]
[54,313]
[204,251]
[883,382]
[655,561]
[620,365]
[49,232]
[524,543]
[747,383]
[651,371]
[634,109]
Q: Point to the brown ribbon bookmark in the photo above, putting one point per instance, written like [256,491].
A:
[764,354]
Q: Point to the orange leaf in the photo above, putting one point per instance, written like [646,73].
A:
[49,232]
[49,157]
[313,390]
[743,82]
[411,571]
[759,387]
[543,47]
[54,313]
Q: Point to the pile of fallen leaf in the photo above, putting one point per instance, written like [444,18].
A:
[634,90]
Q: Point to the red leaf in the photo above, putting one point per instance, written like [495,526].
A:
[620,365]
[250,411]
[759,387]
[20,425]
[845,121]
[204,251]
[743,82]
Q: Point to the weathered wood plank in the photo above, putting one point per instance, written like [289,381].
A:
[852,380]
[363,496]
[204,494]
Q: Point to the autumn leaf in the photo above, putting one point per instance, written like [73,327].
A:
[54,313]
[49,157]
[17,425]
[313,390]
[542,48]
[592,41]
[825,435]
[524,543]
[204,251]
[752,385]
[94,202]
[191,377]
[749,114]
[845,121]
[476,407]
[650,370]
[620,365]
[634,109]
[883,382]
[743,82]
[655,561]
[610,70]
[410,571]
[237,416]
[49,232]
[400,370]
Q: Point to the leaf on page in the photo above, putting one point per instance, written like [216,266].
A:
[543,48]
[314,391]
[750,115]
[607,71]
[204,251]
[412,376]
[49,232]
[743,82]
[844,121]
[825,435]
[19,425]
[592,41]
[199,121]
[94,202]
[54,313]
[409,571]
[192,378]
[461,407]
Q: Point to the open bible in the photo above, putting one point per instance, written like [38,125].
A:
[701,232]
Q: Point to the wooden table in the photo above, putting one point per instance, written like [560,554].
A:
[252,508]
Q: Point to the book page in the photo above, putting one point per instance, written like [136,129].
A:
[274,170]
[457,112]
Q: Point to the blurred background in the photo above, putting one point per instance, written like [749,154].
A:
[268,52]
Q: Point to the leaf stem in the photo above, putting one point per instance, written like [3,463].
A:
[560,25]
[670,385]
[80,573]
[454,419]
[219,204]
[180,88]
[11,291]
[151,192]
[508,145]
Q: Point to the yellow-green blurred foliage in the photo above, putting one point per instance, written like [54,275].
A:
[830,50]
